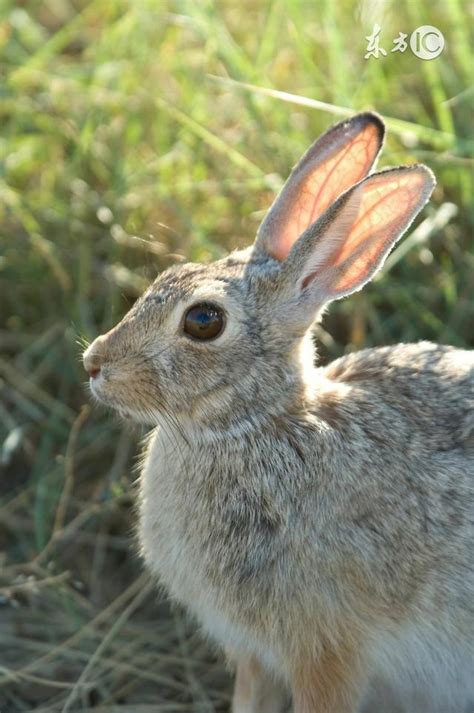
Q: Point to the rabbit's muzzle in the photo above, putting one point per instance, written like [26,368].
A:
[121,372]
[95,356]
[113,348]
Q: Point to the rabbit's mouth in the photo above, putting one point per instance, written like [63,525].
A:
[97,381]
[107,388]
[126,394]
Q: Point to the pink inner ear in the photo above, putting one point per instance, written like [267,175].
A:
[324,182]
[388,204]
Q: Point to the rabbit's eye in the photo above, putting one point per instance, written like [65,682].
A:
[204,321]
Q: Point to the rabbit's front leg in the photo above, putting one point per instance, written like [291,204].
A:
[332,684]
[257,692]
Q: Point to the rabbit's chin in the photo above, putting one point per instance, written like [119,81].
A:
[104,394]
[145,417]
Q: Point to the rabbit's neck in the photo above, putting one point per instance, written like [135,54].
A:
[236,418]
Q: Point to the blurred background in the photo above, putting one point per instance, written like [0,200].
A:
[136,135]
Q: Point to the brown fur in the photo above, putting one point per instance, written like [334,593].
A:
[333,683]
[256,691]
[317,521]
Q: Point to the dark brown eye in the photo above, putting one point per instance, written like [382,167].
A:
[204,321]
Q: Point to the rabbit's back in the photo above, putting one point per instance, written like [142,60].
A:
[406,417]
[403,425]
[428,386]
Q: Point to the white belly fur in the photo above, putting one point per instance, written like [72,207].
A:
[176,562]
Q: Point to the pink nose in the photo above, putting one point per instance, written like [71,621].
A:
[93,357]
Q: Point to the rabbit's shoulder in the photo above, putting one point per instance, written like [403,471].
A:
[423,361]
[426,388]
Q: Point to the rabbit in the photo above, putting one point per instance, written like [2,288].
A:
[317,522]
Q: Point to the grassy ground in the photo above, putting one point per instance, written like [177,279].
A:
[130,142]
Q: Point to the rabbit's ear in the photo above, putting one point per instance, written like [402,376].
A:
[336,161]
[348,245]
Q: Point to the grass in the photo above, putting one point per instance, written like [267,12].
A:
[135,135]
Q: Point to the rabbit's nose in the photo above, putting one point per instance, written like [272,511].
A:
[93,357]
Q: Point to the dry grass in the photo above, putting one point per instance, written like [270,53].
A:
[82,627]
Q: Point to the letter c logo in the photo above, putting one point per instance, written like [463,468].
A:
[427,42]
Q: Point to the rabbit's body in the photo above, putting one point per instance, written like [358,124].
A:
[318,522]
[268,550]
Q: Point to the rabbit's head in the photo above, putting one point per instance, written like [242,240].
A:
[231,339]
